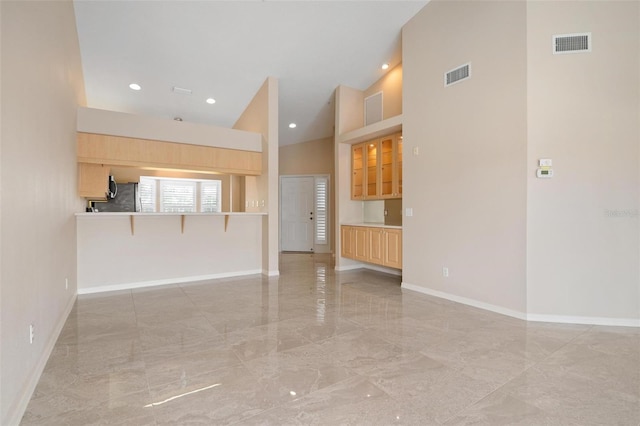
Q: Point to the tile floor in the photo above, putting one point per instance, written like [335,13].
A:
[317,347]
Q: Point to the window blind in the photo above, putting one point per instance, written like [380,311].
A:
[321,201]
[147,195]
[177,196]
[210,196]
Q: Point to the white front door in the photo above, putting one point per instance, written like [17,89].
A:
[296,214]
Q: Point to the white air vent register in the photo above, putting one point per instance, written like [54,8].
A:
[571,43]
[458,74]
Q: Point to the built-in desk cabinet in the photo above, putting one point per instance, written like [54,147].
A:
[378,245]
[376,168]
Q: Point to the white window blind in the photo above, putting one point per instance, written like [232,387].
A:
[171,195]
[147,195]
[322,208]
[177,196]
[210,196]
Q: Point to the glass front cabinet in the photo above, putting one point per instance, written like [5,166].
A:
[377,168]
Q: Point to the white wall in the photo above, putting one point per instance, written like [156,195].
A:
[583,113]
[261,116]
[158,252]
[91,120]
[314,157]
[467,186]
[41,89]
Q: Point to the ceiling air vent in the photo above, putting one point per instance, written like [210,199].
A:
[456,75]
[571,43]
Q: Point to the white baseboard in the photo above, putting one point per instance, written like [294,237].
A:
[153,283]
[348,268]
[16,412]
[369,266]
[465,301]
[390,271]
[275,273]
[561,319]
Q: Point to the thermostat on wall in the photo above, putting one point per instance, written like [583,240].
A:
[544,173]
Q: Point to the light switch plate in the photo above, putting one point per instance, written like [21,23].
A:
[545,162]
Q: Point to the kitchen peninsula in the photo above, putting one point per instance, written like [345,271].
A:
[129,250]
[124,250]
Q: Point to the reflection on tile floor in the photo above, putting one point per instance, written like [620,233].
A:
[318,347]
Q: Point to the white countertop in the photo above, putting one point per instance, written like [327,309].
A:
[98,214]
[373,225]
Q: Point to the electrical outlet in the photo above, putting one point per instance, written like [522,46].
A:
[445,272]
[66,283]
[31,333]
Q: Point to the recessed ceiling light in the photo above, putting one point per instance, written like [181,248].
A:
[134,86]
[292,125]
[385,66]
[211,101]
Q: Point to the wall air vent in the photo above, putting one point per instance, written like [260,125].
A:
[457,75]
[373,108]
[571,43]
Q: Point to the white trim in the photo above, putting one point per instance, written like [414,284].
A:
[18,409]
[564,319]
[153,283]
[274,273]
[465,301]
[348,268]
[391,271]
[561,319]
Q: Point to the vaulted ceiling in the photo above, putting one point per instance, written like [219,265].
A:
[224,50]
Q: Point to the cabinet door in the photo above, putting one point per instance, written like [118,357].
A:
[361,238]
[387,167]
[398,167]
[373,167]
[93,181]
[347,242]
[393,248]
[376,245]
[391,166]
[357,172]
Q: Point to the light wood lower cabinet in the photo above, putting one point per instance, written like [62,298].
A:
[392,255]
[361,239]
[348,242]
[381,246]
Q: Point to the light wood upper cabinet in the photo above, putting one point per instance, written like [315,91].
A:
[378,245]
[372,149]
[123,151]
[357,172]
[93,181]
[380,176]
